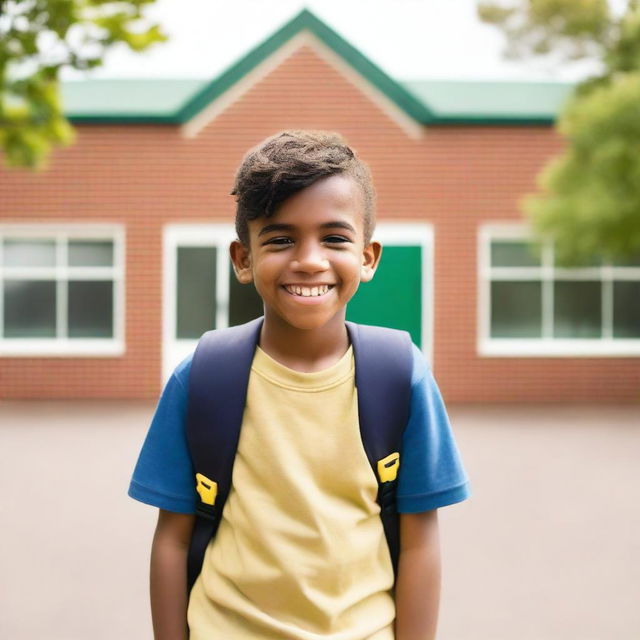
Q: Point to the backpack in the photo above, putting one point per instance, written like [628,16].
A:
[217,395]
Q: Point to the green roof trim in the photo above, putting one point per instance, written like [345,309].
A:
[432,102]
[306,21]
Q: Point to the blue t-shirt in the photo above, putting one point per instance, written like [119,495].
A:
[431,474]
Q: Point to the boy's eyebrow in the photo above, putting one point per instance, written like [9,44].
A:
[279,226]
[275,227]
[340,224]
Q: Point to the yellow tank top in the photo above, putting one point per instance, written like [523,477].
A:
[300,553]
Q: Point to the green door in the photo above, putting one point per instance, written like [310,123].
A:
[394,297]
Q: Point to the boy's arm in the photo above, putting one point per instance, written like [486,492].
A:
[169,575]
[418,582]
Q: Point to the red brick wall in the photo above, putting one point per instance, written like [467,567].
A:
[147,176]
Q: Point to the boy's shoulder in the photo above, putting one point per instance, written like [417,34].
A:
[183,370]
[420,365]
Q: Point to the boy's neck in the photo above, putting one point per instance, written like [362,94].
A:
[305,350]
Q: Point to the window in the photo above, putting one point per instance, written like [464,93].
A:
[529,305]
[200,288]
[197,300]
[61,290]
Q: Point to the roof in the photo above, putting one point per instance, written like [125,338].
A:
[147,99]
[492,102]
[173,101]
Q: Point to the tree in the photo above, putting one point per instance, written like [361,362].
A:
[37,39]
[588,201]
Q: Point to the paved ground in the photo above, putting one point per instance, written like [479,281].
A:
[547,549]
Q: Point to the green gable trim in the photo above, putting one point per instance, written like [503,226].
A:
[306,21]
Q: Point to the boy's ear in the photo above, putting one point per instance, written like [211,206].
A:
[370,260]
[241,260]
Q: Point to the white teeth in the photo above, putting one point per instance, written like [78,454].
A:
[307,292]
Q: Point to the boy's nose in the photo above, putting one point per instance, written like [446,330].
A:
[311,258]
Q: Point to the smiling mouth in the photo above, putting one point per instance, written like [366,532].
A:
[308,292]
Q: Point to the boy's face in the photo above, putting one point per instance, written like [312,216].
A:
[308,259]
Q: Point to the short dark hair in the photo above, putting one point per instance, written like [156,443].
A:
[290,161]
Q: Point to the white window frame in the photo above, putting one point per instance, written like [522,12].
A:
[63,346]
[547,273]
[220,235]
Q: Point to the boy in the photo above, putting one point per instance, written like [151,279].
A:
[300,552]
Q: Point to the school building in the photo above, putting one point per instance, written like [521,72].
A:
[114,260]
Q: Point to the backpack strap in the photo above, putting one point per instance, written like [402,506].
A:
[220,369]
[384,366]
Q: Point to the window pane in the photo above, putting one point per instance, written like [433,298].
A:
[244,302]
[196,295]
[29,253]
[90,309]
[513,253]
[29,309]
[90,253]
[626,309]
[516,309]
[577,309]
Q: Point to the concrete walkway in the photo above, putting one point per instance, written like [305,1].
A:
[547,549]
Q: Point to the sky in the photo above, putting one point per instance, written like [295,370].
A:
[409,39]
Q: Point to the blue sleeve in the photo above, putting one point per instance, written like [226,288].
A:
[431,474]
[164,476]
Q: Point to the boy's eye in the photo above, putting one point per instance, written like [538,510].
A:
[336,239]
[280,240]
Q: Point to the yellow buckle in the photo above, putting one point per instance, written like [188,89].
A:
[208,489]
[388,467]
